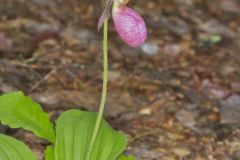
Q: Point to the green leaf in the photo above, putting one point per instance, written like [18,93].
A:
[74,130]
[123,157]
[19,111]
[215,38]
[49,153]
[12,149]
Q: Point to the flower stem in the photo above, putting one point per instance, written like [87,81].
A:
[104,90]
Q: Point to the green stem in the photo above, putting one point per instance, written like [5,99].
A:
[104,90]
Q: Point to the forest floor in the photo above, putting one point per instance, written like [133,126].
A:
[177,97]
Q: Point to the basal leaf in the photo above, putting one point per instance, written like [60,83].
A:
[123,157]
[74,130]
[19,111]
[49,153]
[12,149]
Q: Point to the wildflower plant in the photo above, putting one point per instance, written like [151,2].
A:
[77,135]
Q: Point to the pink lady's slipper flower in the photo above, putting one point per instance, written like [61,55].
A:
[128,23]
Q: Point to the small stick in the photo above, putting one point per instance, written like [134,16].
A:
[46,77]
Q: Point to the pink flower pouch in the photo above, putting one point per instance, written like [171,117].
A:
[128,23]
[130,26]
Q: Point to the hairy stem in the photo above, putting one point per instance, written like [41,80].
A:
[104,90]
